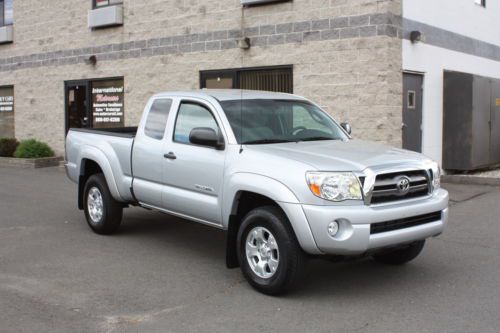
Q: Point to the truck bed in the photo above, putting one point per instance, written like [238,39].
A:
[110,148]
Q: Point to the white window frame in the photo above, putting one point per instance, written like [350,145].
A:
[108,3]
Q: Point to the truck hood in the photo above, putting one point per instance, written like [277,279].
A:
[352,155]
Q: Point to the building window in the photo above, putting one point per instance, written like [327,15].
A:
[107,103]
[412,100]
[6,13]
[481,3]
[7,112]
[277,79]
[105,3]
[95,103]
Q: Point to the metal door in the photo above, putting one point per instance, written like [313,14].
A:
[412,111]
[481,122]
[192,174]
[147,155]
[495,122]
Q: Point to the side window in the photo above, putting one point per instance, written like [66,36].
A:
[157,118]
[190,116]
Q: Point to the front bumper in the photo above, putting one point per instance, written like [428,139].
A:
[354,235]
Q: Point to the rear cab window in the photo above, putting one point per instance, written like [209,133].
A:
[156,122]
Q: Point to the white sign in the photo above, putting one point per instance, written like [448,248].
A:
[6,103]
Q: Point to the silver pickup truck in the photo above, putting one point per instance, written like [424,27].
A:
[278,174]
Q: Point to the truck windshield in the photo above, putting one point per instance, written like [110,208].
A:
[264,121]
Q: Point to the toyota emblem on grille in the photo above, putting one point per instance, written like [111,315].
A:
[403,185]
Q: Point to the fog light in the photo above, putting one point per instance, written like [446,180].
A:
[333,228]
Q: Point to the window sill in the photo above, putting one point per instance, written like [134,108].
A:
[260,2]
[109,16]
[6,34]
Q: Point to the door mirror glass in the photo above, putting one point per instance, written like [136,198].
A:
[205,136]
[346,127]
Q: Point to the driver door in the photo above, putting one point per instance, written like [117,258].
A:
[193,174]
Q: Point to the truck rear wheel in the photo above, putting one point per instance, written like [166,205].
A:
[401,256]
[102,211]
[268,252]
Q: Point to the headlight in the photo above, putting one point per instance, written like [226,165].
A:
[334,186]
[436,176]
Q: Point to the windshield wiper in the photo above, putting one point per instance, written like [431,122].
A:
[264,141]
[317,138]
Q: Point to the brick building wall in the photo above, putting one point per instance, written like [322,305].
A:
[346,55]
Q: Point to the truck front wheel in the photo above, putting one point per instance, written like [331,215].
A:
[402,255]
[268,252]
[102,211]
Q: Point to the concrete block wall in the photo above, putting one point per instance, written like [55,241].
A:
[346,56]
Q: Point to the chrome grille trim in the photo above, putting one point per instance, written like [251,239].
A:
[384,187]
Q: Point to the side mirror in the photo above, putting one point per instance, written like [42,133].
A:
[206,136]
[346,127]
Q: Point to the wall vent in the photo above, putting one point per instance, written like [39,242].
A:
[6,34]
[106,16]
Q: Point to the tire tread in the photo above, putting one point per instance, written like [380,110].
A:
[113,210]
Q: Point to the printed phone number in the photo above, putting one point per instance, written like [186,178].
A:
[108,120]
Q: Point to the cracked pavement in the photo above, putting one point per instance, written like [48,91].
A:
[164,274]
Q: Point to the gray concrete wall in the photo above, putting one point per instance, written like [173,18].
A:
[346,55]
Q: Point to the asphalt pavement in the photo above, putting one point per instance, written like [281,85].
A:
[165,274]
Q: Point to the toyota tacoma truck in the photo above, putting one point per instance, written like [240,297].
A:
[279,175]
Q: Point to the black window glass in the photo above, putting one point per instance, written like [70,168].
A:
[157,118]
[6,12]
[108,103]
[266,79]
[104,3]
[262,121]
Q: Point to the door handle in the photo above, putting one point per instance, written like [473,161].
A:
[170,156]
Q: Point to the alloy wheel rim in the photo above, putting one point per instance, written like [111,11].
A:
[262,252]
[95,205]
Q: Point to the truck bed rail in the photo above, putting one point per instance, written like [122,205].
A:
[124,132]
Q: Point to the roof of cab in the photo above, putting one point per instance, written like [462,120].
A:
[231,94]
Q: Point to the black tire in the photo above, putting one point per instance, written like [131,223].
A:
[292,260]
[112,211]
[402,255]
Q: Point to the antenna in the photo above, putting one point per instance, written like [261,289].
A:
[242,52]
[241,121]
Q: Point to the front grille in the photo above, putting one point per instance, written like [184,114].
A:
[377,228]
[386,189]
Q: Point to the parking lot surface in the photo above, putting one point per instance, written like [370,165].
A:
[165,274]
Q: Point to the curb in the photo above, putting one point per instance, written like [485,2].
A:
[29,163]
[471,180]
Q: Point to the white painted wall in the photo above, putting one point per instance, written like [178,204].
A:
[460,16]
[432,61]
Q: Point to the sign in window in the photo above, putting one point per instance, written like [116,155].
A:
[108,103]
[7,112]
